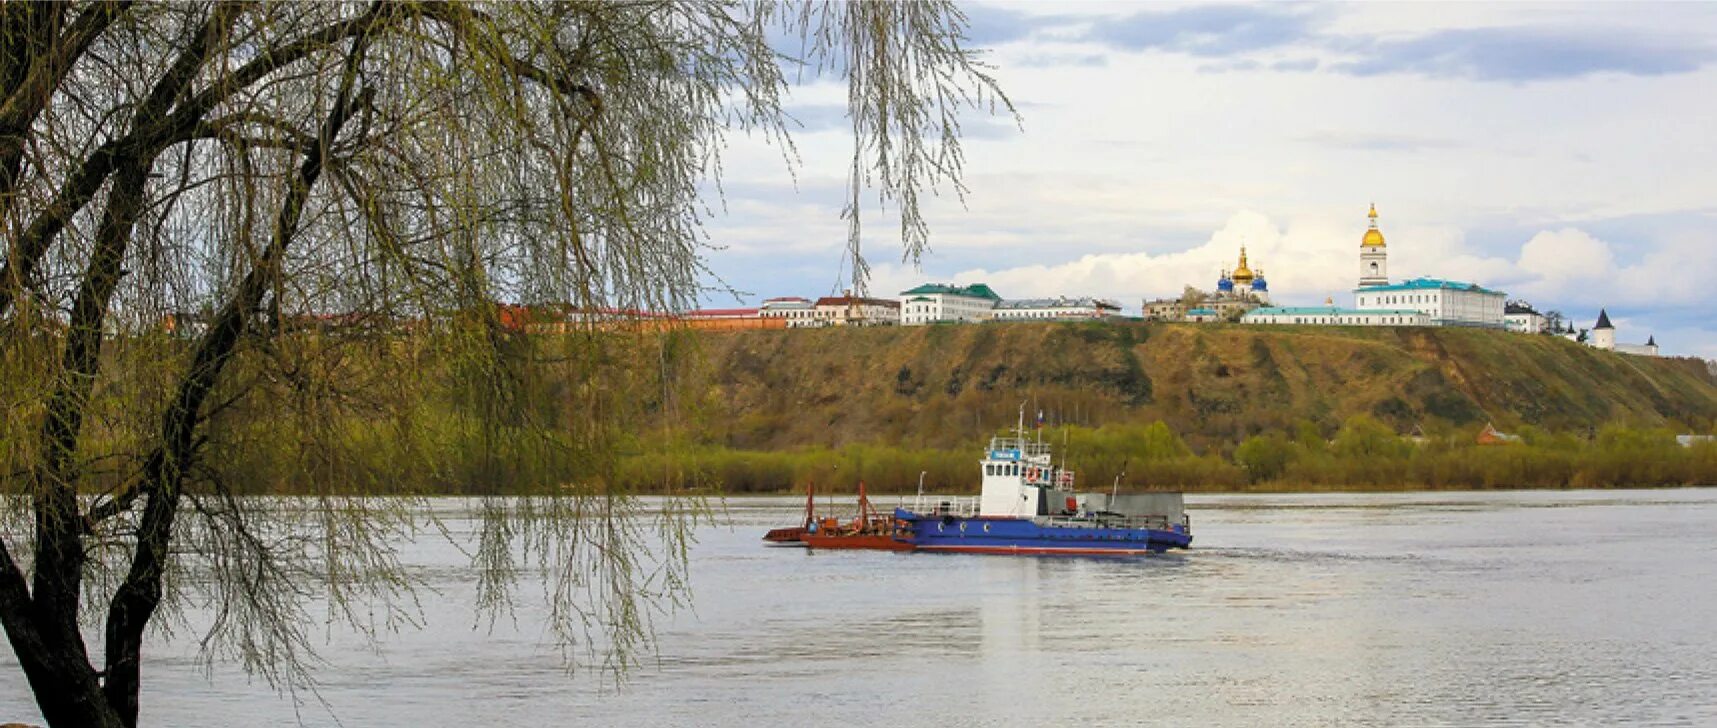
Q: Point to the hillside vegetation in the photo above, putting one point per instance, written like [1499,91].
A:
[1185,406]
[1214,385]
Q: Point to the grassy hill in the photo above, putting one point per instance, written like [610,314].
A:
[1200,407]
[948,386]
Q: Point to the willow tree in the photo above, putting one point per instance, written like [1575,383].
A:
[242,233]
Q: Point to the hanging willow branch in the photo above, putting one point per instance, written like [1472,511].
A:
[260,248]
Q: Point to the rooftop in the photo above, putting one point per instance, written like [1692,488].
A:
[976,290]
[1059,302]
[856,300]
[1429,284]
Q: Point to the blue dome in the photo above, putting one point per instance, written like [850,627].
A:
[1224,285]
[1258,284]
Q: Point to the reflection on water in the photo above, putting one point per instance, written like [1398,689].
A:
[1422,609]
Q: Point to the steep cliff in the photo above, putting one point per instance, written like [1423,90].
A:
[944,386]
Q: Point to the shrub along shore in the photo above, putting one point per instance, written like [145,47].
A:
[1362,455]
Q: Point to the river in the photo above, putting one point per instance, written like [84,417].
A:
[1458,609]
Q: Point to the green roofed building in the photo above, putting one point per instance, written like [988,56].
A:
[937,302]
[1336,316]
[1446,303]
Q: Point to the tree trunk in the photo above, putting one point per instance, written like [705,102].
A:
[137,598]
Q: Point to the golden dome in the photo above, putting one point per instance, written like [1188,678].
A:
[1373,237]
[1242,274]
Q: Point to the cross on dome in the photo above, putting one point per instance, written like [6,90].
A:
[1373,237]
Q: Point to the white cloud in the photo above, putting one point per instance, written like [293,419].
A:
[1567,255]
[1303,256]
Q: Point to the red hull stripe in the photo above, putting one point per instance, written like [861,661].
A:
[855,543]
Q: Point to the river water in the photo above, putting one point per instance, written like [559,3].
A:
[1513,608]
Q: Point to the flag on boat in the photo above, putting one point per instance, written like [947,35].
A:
[1040,419]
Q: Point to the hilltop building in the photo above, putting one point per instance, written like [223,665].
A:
[850,310]
[1237,292]
[1056,309]
[935,302]
[1164,309]
[1520,317]
[1336,316]
[1604,337]
[1243,285]
[1445,302]
[1603,332]
[797,312]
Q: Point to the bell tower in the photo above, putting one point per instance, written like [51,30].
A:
[1373,255]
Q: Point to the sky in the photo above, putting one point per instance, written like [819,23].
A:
[1562,153]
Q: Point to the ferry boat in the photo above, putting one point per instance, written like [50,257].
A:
[1028,505]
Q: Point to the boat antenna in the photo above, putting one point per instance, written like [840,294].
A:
[1115,489]
[1021,428]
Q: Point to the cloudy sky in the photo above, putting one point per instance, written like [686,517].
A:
[1562,153]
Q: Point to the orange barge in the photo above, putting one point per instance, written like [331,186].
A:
[869,530]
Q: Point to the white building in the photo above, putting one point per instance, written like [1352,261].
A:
[1203,315]
[1336,316]
[1523,319]
[1055,309]
[799,312]
[1603,333]
[1446,303]
[850,310]
[935,302]
[1604,337]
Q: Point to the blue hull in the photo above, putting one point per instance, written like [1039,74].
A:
[1068,536]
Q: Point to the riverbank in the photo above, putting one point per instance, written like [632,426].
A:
[1361,456]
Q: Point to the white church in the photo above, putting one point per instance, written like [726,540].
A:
[1412,302]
